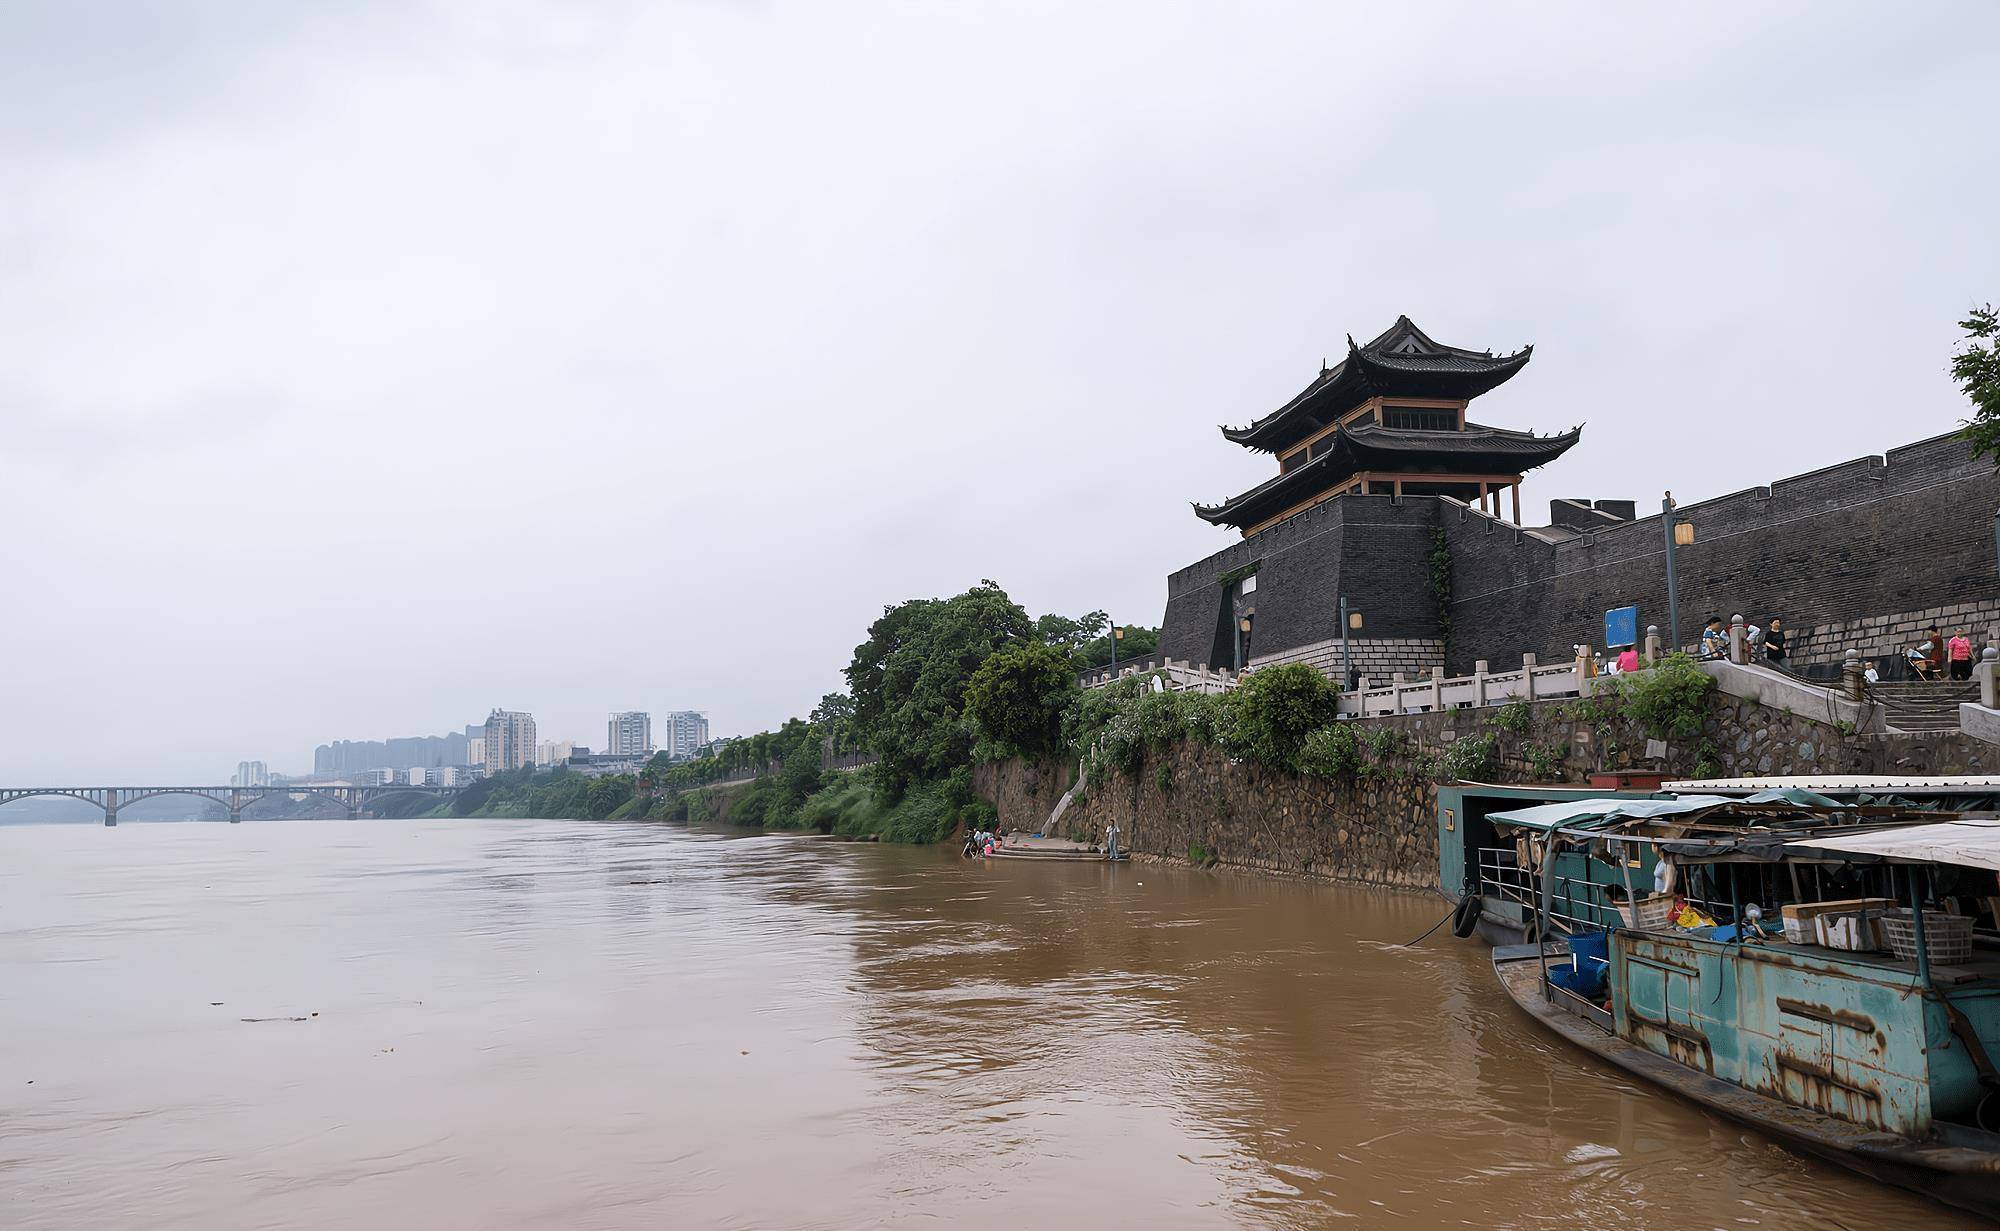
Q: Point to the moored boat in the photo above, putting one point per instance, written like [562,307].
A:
[1861,1029]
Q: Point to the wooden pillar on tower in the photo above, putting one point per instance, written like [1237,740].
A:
[1516,489]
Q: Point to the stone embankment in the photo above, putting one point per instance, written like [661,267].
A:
[1192,800]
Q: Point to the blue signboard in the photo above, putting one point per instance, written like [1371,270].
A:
[1621,627]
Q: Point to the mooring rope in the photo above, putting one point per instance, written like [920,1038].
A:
[1434,927]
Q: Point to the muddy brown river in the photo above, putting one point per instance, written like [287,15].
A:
[563,1024]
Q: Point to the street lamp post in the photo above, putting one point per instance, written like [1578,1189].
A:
[1117,635]
[1681,534]
[1349,621]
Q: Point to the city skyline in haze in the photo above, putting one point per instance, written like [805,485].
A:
[375,367]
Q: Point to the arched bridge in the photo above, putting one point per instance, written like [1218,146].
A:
[235,798]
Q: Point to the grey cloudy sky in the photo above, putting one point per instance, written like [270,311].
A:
[370,366]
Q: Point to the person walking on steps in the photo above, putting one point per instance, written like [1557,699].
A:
[1774,642]
[1958,655]
[1714,640]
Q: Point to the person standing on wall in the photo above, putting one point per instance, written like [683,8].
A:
[1934,646]
[1958,652]
[1714,639]
[1774,642]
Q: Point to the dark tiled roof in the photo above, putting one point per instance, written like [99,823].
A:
[1366,439]
[1476,450]
[1404,361]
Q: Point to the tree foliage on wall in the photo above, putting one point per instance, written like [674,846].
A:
[1976,368]
[1440,578]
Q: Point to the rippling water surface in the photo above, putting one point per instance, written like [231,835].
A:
[556,1024]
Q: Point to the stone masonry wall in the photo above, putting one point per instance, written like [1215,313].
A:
[1378,658]
[1381,828]
[1881,638]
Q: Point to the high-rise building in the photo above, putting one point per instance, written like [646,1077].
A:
[629,734]
[685,731]
[510,740]
[251,773]
[344,756]
[553,751]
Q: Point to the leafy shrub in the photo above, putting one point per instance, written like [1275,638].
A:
[1387,743]
[1671,700]
[931,811]
[1276,708]
[1331,752]
[1515,717]
[1545,761]
[1200,856]
[1470,757]
[1163,777]
[1161,718]
[1092,709]
[1211,718]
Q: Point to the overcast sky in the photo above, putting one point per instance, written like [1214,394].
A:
[371,366]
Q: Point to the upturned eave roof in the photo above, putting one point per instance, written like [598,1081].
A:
[1478,450]
[1403,361]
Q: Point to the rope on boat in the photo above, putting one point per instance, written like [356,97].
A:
[1434,927]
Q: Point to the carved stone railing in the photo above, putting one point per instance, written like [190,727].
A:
[1532,682]
[1175,676]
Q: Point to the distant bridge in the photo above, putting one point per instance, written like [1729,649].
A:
[235,798]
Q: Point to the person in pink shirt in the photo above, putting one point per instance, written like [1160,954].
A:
[1628,659]
[1958,653]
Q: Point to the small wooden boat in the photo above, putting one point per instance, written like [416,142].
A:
[1032,846]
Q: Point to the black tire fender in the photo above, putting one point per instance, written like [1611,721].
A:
[1465,920]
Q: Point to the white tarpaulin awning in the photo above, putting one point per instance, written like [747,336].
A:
[1598,813]
[1968,843]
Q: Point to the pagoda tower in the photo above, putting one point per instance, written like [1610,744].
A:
[1389,419]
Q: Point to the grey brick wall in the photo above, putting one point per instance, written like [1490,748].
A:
[1860,555]
[1377,658]
[1858,547]
[1371,548]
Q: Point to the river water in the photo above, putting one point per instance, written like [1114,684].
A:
[564,1024]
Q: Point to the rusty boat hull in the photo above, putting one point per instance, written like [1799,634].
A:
[1961,1175]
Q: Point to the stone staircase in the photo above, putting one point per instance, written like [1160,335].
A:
[1918,706]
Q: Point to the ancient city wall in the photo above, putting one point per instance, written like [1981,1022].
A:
[1372,549]
[1856,556]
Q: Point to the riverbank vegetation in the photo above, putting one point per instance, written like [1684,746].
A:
[1283,717]
[941,684]
[912,684]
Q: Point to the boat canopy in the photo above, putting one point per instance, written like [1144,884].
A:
[1604,813]
[1968,842]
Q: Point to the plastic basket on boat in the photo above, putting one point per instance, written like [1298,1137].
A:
[1948,937]
[1648,912]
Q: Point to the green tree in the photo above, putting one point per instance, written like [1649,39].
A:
[1276,708]
[1139,642]
[1976,368]
[797,745]
[1018,696]
[908,680]
[834,716]
[1070,635]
